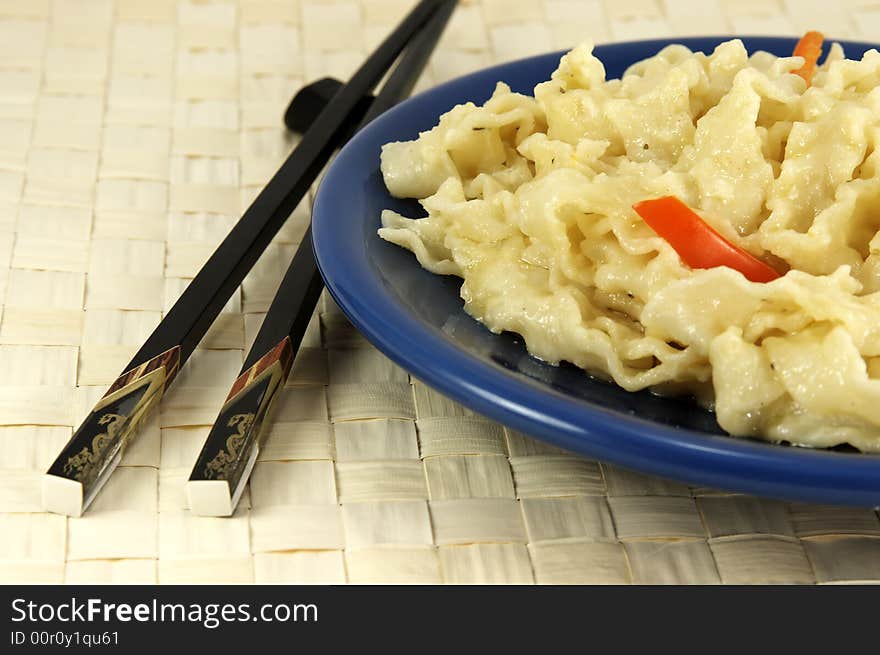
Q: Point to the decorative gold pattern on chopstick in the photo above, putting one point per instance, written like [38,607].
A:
[82,465]
[282,353]
[104,434]
[169,360]
[226,452]
[219,467]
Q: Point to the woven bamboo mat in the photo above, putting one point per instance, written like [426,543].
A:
[132,134]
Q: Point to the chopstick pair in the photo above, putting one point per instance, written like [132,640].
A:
[221,471]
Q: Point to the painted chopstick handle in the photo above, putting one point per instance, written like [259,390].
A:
[87,460]
[229,453]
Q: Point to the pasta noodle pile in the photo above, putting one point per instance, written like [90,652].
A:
[529,201]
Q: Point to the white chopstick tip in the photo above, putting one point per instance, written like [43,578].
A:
[209,498]
[62,496]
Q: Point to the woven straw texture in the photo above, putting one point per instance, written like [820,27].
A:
[132,135]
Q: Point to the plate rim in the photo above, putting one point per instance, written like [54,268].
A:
[699,458]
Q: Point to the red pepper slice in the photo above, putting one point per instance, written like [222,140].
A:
[698,245]
[810,48]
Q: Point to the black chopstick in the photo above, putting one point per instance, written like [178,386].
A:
[232,446]
[94,450]
[311,100]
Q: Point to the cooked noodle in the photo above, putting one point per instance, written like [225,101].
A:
[529,201]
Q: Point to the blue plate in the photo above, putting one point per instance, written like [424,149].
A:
[416,319]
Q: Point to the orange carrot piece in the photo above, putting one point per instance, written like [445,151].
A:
[696,242]
[810,48]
